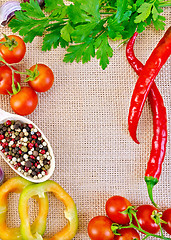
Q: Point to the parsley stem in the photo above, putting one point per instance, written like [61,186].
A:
[165,4]
[106,13]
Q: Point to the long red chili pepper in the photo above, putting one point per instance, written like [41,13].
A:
[159,140]
[152,67]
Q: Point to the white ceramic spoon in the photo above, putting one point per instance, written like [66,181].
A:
[4,116]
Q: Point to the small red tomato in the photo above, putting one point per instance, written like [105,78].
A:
[24,102]
[99,228]
[13,50]
[127,234]
[144,213]
[44,80]
[114,206]
[6,79]
[167,218]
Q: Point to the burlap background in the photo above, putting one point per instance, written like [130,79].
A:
[84,116]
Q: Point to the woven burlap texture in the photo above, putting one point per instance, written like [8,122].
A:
[84,116]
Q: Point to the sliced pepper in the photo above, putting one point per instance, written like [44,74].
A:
[69,231]
[16,185]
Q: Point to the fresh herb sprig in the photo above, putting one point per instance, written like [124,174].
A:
[85,26]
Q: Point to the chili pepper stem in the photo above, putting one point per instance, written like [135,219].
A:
[151,182]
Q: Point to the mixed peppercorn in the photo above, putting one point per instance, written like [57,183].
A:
[25,148]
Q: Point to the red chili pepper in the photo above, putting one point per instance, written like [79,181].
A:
[159,140]
[152,67]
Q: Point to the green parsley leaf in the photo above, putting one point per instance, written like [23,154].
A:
[77,15]
[114,28]
[144,10]
[121,8]
[66,32]
[83,31]
[33,9]
[86,25]
[88,53]
[104,50]
[75,52]
[91,7]
[53,5]
[159,24]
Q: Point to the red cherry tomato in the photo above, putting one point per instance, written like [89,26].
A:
[144,213]
[17,53]
[167,218]
[99,228]
[24,102]
[6,79]
[44,81]
[114,206]
[127,234]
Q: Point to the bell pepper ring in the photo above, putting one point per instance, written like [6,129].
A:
[69,231]
[16,185]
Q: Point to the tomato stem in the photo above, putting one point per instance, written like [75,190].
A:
[17,89]
[32,75]
[9,43]
[156,216]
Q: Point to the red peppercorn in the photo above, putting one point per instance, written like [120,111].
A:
[8,122]
[9,156]
[3,150]
[3,145]
[13,146]
[19,164]
[30,126]
[45,172]
[1,137]
[35,164]
[9,132]
[30,145]
[34,136]
[20,152]
[20,145]
[42,151]
[26,169]
[32,157]
[36,145]
[16,166]
[38,134]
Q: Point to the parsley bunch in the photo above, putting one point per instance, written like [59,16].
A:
[85,26]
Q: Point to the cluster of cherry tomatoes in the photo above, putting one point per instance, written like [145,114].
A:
[99,228]
[40,77]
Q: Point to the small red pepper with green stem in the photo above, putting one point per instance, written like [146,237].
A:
[152,67]
[159,140]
